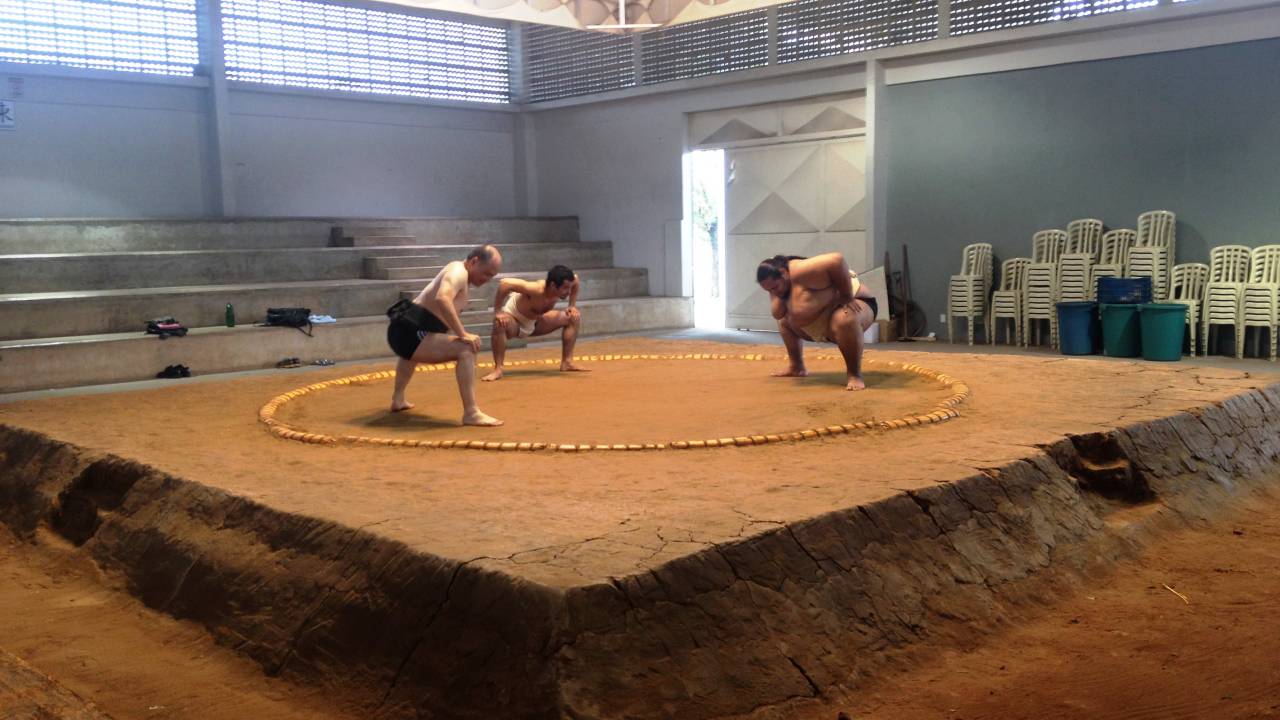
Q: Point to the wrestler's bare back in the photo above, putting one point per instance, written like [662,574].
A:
[459,275]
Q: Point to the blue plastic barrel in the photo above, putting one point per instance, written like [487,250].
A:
[1077,328]
[1118,291]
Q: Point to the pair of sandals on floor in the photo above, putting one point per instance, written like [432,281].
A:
[174,371]
[294,362]
[182,371]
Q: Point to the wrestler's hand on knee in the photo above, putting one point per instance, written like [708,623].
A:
[472,340]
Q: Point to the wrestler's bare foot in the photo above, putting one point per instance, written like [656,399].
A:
[855,383]
[400,406]
[570,367]
[792,372]
[479,418]
[495,375]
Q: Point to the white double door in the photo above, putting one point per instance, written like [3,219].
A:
[802,198]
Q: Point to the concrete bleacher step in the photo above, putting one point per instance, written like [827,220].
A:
[408,273]
[53,272]
[96,359]
[466,231]
[102,235]
[376,267]
[167,268]
[596,284]
[43,315]
[116,235]
[40,315]
[364,241]
[515,258]
[77,293]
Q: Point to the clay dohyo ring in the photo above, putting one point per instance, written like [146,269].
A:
[942,412]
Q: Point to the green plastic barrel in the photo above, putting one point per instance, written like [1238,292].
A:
[1163,327]
[1121,330]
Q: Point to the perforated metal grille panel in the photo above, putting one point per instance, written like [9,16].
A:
[706,47]
[810,29]
[970,16]
[149,36]
[560,62]
[333,47]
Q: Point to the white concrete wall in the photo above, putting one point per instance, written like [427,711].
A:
[99,148]
[317,156]
[617,165]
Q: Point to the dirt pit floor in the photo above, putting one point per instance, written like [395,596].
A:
[622,402]
[1120,646]
[567,519]
[1125,647]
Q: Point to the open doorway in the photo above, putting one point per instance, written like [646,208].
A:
[706,204]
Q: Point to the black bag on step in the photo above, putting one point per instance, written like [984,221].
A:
[299,318]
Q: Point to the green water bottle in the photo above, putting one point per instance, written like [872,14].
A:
[231,316]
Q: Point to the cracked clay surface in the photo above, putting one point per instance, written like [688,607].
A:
[571,520]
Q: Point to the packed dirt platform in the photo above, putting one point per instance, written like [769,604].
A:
[698,583]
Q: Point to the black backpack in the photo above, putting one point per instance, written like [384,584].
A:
[299,318]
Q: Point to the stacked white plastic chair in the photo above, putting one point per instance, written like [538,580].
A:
[1186,287]
[1228,273]
[967,293]
[1040,297]
[1154,251]
[1074,270]
[1048,245]
[1113,260]
[1149,262]
[1006,301]
[1084,236]
[1260,301]
[1075,266]
[1156,228]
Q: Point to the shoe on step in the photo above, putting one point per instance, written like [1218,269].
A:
[170,371]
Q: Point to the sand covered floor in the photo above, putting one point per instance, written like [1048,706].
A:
[1118,648]
[625,401]
[563,520]
[1121,648]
